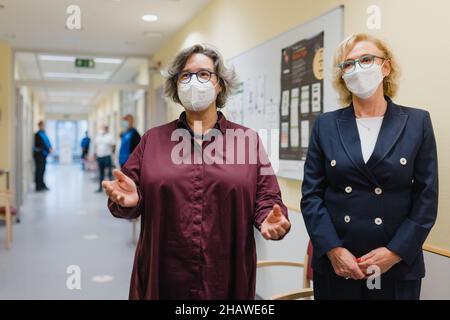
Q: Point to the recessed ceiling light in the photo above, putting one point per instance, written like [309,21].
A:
[150,17]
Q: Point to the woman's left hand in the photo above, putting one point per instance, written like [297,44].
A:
[382,257]
[276,225]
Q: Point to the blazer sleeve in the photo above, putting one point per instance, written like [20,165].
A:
[133,170]
[412,233]
[317,219]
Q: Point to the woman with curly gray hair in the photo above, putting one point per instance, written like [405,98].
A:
[197,216]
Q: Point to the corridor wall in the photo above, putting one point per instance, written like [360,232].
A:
[235,26]
[6,108]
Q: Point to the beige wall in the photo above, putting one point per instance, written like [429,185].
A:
[32,112]
[5,108]
[416,30]
[106,112]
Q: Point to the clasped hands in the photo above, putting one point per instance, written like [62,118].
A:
[346,265]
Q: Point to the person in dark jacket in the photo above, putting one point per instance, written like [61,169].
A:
[85,144]
[42,148]
[130,138]
[370,188]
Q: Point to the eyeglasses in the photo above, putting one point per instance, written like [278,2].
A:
[365,62]
[203,76]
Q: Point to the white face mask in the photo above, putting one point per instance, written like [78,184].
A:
[196,96]
[364,82]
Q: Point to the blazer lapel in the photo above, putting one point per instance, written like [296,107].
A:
[349,136]
[393,124]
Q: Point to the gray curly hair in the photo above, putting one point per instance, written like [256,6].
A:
[226,76]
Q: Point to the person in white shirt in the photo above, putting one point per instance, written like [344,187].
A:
[104,149]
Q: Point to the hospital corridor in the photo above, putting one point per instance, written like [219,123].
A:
[69,225]
[224,150]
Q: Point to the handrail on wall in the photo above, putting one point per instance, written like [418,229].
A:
[436,250]
[427,247]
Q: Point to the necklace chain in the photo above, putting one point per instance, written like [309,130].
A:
[363,125]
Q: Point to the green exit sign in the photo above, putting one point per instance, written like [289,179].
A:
[85,63]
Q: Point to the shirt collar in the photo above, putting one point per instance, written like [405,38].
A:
[221,123]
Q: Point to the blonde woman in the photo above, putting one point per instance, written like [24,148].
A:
[370,189]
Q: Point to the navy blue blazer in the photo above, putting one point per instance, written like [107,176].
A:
[389,202]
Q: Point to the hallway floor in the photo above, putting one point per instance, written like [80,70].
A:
[68,225]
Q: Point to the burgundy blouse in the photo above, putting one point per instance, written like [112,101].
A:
[196,239]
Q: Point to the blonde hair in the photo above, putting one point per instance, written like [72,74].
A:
[390,82]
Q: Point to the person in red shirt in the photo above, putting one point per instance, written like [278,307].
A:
[197,215]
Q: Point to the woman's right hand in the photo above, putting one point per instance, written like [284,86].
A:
[122,191]
[345,264]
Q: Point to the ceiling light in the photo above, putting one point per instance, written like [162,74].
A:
[52,94]
[45,57]
[105,76]
[108,60]
[150,17]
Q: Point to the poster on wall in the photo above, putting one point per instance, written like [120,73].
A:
[301,99]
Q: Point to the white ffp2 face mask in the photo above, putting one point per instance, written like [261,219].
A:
[196,96]
[363,83]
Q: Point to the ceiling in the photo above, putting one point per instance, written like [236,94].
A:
[63,88]
[112,33]
[112,27]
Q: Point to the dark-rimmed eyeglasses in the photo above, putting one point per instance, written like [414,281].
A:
[365,62]
[203,76]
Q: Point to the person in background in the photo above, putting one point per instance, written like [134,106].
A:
[85,144]
[42,148]
[130,138]
[104,149]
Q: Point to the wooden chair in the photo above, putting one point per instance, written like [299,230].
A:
[6,214]
[306,292]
